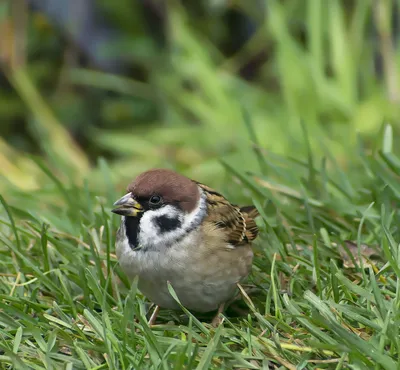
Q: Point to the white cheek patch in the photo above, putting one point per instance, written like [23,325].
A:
[150,235]
[150,231]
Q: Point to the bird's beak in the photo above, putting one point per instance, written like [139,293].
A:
[127,206]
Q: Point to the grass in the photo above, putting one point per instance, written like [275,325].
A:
[304,142]
[66,304]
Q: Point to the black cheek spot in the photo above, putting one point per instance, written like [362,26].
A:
[166,223]
[132,230]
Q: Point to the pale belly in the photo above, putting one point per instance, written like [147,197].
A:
[195,293]
[201,279]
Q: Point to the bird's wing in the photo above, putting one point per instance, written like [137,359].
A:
[238,223]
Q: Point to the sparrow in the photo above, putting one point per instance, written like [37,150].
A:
[177,230]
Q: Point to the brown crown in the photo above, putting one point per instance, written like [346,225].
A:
[173,187]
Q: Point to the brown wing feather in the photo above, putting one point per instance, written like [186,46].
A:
[238,222]
[250,213]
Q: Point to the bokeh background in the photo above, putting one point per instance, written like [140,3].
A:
[185,84]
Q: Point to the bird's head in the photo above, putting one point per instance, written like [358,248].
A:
[160,207]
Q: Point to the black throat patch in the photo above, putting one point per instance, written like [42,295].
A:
[132,230]
[166,223]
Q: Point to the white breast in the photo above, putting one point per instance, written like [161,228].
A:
[202,280]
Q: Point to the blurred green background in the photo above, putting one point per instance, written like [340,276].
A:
[184,84]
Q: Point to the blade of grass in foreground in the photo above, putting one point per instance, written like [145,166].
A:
[12,222]
[365,349]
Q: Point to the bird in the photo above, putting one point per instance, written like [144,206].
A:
[178,231]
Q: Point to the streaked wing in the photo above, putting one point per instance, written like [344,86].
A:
[237,222]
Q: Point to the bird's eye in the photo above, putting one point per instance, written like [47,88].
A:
[155,200]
